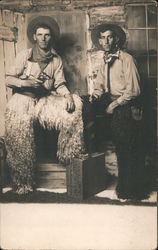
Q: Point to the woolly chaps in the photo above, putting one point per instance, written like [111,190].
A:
[21,114]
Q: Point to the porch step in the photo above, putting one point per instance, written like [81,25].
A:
[49,166]
[51,176]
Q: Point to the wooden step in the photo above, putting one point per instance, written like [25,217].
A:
[51,184]
[51,175]
[49,167]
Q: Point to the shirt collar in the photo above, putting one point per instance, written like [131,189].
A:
[54,53]
[111,56]
[117,54]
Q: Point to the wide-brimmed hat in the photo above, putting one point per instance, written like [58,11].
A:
[95,34]
[42,20]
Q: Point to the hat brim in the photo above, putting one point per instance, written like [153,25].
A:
[95,34]
[43,20]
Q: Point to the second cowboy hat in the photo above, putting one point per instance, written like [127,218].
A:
[103,27]
[42,20]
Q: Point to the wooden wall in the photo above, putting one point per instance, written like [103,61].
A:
[9,46]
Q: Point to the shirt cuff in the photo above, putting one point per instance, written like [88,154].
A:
[13,82]
[121,101]
[62,90]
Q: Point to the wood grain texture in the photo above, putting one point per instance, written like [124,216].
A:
[49,167]
[20,24]
[52,175]
[2,86]
[7,33]
[51,184]
[9,47]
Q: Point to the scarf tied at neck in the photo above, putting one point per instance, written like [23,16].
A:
[41,56]
[110,58]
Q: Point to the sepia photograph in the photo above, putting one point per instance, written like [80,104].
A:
[78,124]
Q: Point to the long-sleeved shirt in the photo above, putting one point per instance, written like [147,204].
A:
[25,68]
[124,79]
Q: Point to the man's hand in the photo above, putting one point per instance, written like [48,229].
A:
[31,82]
[111,107]
[95,96]
[70,105]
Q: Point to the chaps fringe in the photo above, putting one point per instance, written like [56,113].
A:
[21,113]
[51,113]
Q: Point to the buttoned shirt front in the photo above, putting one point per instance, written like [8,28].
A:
[123,78]
[25,68]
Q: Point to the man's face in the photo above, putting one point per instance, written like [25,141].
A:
[107,40]
[43,38]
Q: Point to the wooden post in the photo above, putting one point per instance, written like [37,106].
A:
[2,86]
[9,47]
[20,24]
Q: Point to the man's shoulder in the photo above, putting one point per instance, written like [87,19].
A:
[56,60]
[124,55]
[55,54]
[25,53]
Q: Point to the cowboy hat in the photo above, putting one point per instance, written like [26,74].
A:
[42,20]
[95,34]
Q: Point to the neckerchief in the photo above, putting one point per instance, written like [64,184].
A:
[42,57]
[110,58]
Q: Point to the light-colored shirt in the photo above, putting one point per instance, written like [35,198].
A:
[124,79]
[23,67]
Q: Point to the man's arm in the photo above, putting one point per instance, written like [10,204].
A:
[15,78]
[15,82]
[132,80]
[99,83]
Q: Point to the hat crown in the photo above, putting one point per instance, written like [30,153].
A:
[95,34]
[46,21]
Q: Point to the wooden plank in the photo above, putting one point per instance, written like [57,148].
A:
[8,33]
[52,175]
[2,92]
[51,167]
[15,3]
[51,184]
[20,24]
[2,87]
[9,47]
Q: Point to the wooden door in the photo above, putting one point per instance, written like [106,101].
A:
[12,40]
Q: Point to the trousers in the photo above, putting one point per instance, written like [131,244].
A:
[128,138]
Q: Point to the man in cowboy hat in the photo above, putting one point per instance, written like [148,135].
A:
[118,84]
[35,78]
[46,71]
